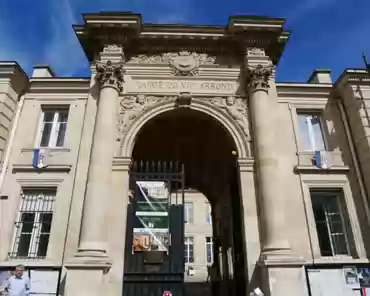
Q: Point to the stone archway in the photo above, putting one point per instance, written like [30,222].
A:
[230,112]
[217,127]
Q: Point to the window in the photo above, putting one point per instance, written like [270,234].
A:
[32,230]
[188,212]
[330,222]
[53,128]
[208,214]
[311,132]
[189,249]
[209,248]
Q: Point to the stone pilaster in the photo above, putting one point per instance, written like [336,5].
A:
[85,273]
[263,106]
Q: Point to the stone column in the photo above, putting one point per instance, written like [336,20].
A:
[85,272]
[110,80]
[263,107]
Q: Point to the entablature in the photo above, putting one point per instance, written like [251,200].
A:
[129,31]
[304,93]
[58,88]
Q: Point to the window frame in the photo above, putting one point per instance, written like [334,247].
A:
[17,233]
[326,182]
[208,214]
[338,193]
[212,251]
[57,109]
[311,112]
[187,248]
[185,212]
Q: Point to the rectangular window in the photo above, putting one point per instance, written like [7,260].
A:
[208,214]
[188,212]
[330,219]
[54,126]
[189,249]
[209,248]
[32,230]
[311,132]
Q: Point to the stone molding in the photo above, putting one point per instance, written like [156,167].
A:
[183,63]
[132,107]
[258,77]
[136,110]
[121,163]
[110,74]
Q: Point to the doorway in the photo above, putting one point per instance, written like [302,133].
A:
[178,155]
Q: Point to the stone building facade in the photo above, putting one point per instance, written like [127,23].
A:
[282,166]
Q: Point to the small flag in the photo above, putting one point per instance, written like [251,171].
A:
[323,159]
[40,158]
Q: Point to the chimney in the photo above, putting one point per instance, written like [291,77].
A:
[42,71]
[321,76]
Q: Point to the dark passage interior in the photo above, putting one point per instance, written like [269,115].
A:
[204,147]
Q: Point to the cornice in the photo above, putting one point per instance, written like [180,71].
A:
[353,76]
[12,73]
[59,85]
[128,29]
[299,90]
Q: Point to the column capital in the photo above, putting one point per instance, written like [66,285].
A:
[258,77]
[110,74]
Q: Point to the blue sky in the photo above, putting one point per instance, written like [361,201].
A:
[327,34]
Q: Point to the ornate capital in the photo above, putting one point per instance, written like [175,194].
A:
[110,74]
[258,77]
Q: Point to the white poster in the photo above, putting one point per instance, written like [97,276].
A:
[44,282]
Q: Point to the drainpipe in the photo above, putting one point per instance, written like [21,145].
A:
[11,142]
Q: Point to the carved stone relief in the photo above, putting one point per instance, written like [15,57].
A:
[255,51]
[237,109]
[183,63]
[131,107]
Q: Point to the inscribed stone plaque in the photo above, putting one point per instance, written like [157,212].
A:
[178,86]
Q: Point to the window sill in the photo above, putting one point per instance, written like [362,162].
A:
[30,262]
[339,260]
[52,149]
[306,163]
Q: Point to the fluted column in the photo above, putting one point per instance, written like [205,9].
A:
[263,107]
[110,80]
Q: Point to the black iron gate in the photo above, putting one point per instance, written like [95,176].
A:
[154,253]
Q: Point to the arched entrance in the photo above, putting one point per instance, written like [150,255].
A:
[204,148]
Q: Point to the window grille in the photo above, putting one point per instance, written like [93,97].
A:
[32,229]
[330,218]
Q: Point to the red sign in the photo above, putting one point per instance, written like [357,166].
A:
[167,293]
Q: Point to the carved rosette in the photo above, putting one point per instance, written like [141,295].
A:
[110,74]
[258,77]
